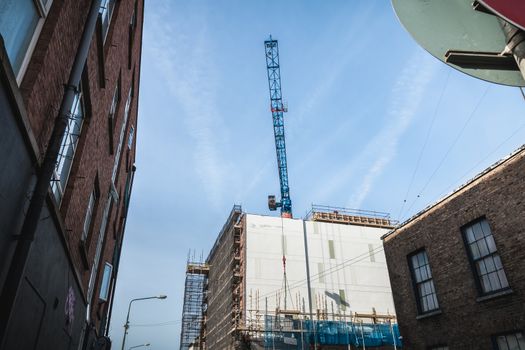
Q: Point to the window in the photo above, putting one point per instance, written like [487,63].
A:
[121,138]
[112,113]
[96,259]
[106,11]
[423,283]
[68,147]
[89,215]
[131,136]
[331,249]
[372,253]
[512,341]
[20,25]
[132,26]
[342,299]
[106,280]
[320,271]
[484,257]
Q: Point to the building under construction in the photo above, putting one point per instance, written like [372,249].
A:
[282,283]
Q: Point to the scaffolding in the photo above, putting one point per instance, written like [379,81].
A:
[193,313]
[234,318]
[294,330]
[337,215]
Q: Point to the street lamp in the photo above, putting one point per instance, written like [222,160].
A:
[138,346]
[126,326]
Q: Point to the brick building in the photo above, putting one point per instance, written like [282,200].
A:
[57,279]
[457,268]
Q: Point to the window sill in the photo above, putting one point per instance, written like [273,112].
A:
[429,314]
[494,295]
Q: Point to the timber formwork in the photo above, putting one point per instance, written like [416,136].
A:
[192,310]
[225,290]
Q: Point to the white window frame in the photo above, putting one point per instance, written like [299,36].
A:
[96,258]
[107,8]
[131,136]
[43,10]
[89,215]
[121,136]
[56,184]
[105,284]
[114,102]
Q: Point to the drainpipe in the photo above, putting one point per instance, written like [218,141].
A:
[120,242]
[44,174]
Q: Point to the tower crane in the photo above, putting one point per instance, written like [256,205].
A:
[278,109]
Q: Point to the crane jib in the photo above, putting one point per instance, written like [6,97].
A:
[278,108]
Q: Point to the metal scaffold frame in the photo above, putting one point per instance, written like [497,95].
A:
[193,312]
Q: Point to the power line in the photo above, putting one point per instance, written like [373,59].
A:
[436,109]
[467,121]
[487,156]
[333,269]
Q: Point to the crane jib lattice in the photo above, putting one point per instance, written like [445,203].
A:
[277,108]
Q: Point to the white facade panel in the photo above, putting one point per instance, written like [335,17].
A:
[345,260]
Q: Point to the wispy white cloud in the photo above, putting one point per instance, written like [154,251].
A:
[406,97]
[191,77]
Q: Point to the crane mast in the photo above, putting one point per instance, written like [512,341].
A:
[277,107]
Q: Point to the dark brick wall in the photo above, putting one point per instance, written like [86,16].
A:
[465,321]
[42,90]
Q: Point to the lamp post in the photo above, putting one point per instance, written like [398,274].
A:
[126,326]
[138,346]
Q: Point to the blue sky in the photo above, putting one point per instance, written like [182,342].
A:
[373,121]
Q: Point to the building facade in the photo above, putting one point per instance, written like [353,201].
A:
[342,269]
[456,268]
[57,289]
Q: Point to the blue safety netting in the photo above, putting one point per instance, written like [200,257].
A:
[287,333]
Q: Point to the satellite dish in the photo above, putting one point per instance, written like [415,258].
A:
[512,11]
[441,26]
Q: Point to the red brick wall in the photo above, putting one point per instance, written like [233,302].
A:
[43,88]
[465,321]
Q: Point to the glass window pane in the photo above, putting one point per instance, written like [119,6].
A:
[497,261]
[424,304]
[417,274]
[106,279]
[489,263]
[470,234]
[482,246]
[494,281]
[512,342]
[19,19]
[474,250]
[502,343]
[490,243]
[521,340]
[415,263]
[485,284]
[429,273]
[421,258]
[424,275]
[478,233]
[485,227]
[503,279]
[482,270]
[434,297]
